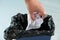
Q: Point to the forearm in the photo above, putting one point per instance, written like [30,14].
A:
[31,5]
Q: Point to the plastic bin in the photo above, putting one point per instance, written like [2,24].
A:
[35,38]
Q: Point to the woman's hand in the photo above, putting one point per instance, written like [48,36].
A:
[35,6]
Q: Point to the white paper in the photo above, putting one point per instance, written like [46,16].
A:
[36,23]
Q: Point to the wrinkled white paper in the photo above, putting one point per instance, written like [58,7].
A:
[36,23]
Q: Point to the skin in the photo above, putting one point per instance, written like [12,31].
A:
[35,6]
